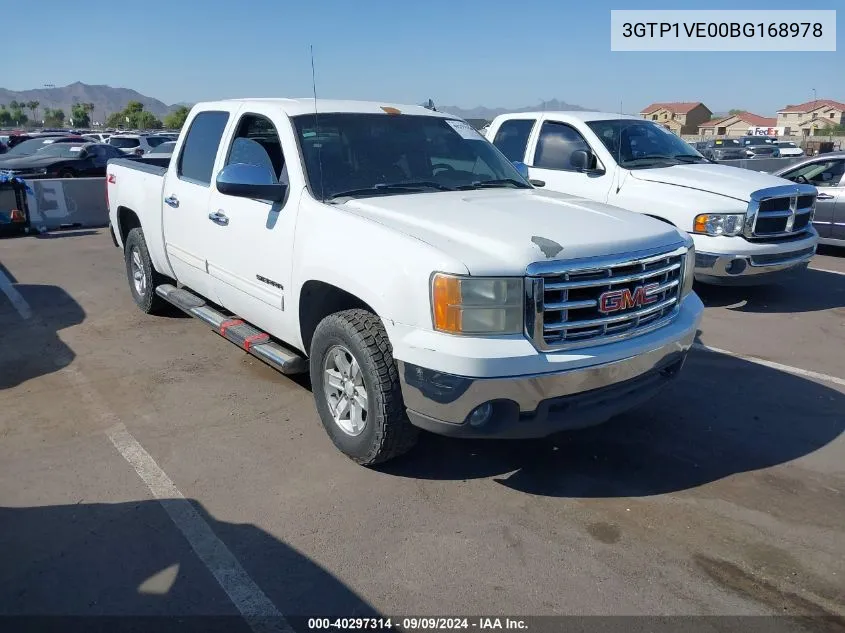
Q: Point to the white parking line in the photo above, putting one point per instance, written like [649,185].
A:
[255,607]
[767,363]
[826,270]
[15,297]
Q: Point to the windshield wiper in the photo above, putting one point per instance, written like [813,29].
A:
[691,158]
[416,186]
[497,182]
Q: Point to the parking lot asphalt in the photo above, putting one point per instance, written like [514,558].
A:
[147,466]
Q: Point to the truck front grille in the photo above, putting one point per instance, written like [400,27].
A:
[592,302]
[779,212]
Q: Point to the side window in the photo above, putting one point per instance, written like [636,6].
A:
[556,144]
[256,142]
[822,174]
[512,138]
[200,148]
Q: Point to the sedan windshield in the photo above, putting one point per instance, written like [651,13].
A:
[727,142]
[638,144]
[359,155]
[62,150]
[28,147]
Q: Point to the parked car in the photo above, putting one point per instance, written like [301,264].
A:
[395,254]
[722,149]
[32,145]
[789,149]
[759,147]
[736,216]
[98,137]
[165,150]
[64,160]
[826,172]
[137,144]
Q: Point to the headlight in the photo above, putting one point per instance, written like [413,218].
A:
[476,305]
[689,271]
[719,223]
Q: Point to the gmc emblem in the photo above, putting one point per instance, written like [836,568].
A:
[616,300]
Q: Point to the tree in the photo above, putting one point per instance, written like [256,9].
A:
[79,115]
[176,119]
[13,105]
[736,111]
[54,118]
[5,117]
[147,121]
[117,119]
[134,107]
[32,106]
[16,113]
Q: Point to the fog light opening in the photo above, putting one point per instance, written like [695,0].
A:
[481,415]
[736,267]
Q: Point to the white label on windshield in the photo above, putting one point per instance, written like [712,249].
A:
[76,149]
[464,129]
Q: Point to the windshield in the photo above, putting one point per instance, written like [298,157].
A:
[164,148]
[382,154]
[636,143]
[28,147]
[65,150]
[786,144]
[726,142]
[758,141]
[123,142]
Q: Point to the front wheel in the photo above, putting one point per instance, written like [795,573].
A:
[143,278]
[356,388]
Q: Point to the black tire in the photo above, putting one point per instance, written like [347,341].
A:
[148,301]
[387,433]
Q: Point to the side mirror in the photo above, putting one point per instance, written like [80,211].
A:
[522,168]
[582,160]
[250,181]
[537,183]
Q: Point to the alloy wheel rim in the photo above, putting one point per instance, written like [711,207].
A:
[139,276]
[344,389]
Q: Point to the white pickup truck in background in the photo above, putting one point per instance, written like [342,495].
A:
[749,227]
[395,254]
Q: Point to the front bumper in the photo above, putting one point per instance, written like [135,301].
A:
[541,404]
[753,264]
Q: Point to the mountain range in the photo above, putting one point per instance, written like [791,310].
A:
[482,112]
[106,99]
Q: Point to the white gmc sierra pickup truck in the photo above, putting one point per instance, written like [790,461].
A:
[749,227]
[399,257]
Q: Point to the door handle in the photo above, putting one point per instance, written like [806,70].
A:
[218,217]
[172,200]
[824,196]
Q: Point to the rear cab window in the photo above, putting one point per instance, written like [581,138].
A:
[199,151]
[124,143]
[512,138]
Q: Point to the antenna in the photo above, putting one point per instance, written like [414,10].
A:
[318,144]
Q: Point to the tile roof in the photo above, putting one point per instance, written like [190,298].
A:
[746,117]
[813,105]
[678,107]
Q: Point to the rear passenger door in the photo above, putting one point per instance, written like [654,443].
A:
[185,204]
[551,162]
[251,241]
[512,138]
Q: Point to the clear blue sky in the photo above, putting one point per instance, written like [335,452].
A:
[457,52]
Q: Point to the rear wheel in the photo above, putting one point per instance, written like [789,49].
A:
[356,388]
[143,278]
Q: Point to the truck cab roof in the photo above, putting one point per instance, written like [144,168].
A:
[294,107]
[577,115]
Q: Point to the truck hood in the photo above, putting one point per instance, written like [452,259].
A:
[501,231]
[732,182]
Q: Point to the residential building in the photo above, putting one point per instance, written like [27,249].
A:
[680,117]
[735,124]
[811,118]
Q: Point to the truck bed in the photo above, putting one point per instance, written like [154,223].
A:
[157,166]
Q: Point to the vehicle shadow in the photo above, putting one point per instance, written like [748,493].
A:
[125,566]
[31,347]
[806,291]
[721,417]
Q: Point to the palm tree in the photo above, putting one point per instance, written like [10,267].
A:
[89,109]
[33,108]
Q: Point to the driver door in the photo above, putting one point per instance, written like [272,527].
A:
[550,161]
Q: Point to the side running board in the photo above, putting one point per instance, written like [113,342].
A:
[237,331]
